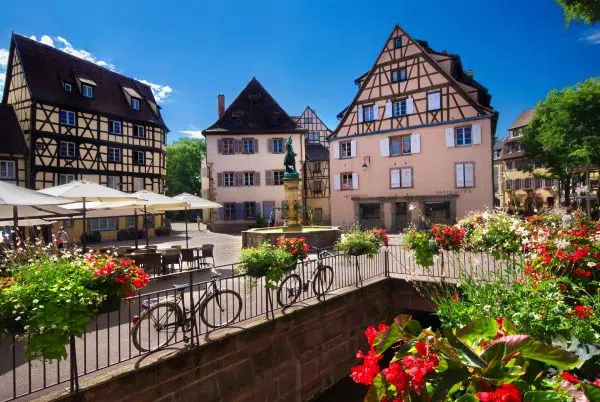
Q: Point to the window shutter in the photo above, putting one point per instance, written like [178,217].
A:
[359,111]
[220,146]
[269,177]
[476,131]
[384,146]
[433,100]
[354,181]
[257,178]
[336,150]
[271,141]
[449,136]
[222,213]
[353,148]
[257,208]
[219,179]
[469,175]
[237,146]
[239,211]
[255,141]
[267,208]
[375,112]
[388,109]
[337,182]
[239,179]
[407,177]
[410,105]
[460,175]
[395,178]
[415,144]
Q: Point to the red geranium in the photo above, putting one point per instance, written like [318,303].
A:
[582,312]
[569,377]
[448,237]
[506,393]
[294,245]
[381,234]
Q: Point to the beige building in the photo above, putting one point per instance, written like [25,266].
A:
[244,152]
[417,136]
[521,190]
[13,150]
[315,170]
[83,121]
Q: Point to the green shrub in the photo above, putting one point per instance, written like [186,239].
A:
[357,242]
[423,246]
[266,260]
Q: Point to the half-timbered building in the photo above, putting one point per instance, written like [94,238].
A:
[417,136]
[83,121]
[13,150]
[244,152]
[315,170]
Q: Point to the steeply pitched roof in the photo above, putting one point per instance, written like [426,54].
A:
[523,119]
[254,111]
[498,145]
[11,135]
[317,152]
[46,68]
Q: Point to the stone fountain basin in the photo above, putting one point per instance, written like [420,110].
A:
[317,236]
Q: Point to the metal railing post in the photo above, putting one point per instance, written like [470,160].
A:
[387,262]
[74,380]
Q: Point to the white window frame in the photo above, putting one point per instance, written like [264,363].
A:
[138,184]
[279,148]
[346,181]
[278,177]
[66,178]
[401,183]
[250,142]
[345,149]
[87,91]
[462,132]
[67,87]
[397,108]
[114,154]
[431,105]
[369,113]
[403,150]
[103,224]
[70,118]
[7,169]
[136,160]
[130,222]
[113,182]
[136,131]
[249,179]
[228,179]
[313,137]
[464,176]
[135,103]
[249,206]
[399,76]
[67,149]
[112,127]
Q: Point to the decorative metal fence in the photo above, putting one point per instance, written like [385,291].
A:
[107,341]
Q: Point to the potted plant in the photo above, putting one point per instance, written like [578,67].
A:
[266,260]
[296,246]
[358,242]
[423,246]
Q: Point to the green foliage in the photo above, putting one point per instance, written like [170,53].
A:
[587,11]
[498,235]
[49,302]
[183,165]
[358,242]
[423,246]
[268,261]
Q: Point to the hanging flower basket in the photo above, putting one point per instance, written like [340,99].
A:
[357,242]
[110,304]
[268,261]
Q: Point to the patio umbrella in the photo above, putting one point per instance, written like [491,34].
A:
[158,202]
[15,196]
[84,191]
[195,203]
[130,204]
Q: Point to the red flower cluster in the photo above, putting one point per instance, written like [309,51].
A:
[294,245]
[366,372]
[582,312]
[569,377]
[381,234]
[117,274]
[448,237]
[506,393]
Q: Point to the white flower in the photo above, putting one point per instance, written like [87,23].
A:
[591,264]
[411,207]
[18,318]
[561,244]
[35,301]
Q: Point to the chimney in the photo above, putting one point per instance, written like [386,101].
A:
[221,105]
[469,73]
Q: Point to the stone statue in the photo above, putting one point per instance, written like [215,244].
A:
[290,160]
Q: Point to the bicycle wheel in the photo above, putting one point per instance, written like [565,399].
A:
[323,280]
[289,290]
[156,326]
[221,308]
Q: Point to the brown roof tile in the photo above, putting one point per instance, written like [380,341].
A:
[523,119]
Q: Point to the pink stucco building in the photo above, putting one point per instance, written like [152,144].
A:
[416,137]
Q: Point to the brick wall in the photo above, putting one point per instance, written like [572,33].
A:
[291,358]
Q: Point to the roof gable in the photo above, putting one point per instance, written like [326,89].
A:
[47,69]
[523,119]
[254,111]
[11,135]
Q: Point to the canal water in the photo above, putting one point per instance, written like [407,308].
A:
[346,390]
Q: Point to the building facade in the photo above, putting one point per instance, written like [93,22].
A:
[244,152]
[315,170]
[522,190]
[498,167]
[82,121]
[417,136]
[13,150]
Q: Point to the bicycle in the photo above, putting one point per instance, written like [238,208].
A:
[292,286]
[162,318]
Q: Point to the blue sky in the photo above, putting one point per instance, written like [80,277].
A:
[309,52]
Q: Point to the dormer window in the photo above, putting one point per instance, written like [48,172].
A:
[68,87]
[87,91]
[397,43]
[135,104]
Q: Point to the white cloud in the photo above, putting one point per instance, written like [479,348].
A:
[161,92]
[46,40]
[193,133]
[3,64]
[592,37]
[82,54]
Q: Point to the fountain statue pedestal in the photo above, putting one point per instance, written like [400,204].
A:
[291,188]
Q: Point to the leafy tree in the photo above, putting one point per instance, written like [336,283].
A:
[183,165]
[587,11]
[564,132]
